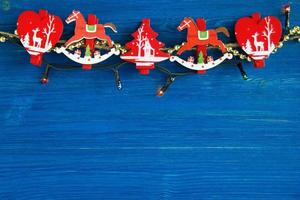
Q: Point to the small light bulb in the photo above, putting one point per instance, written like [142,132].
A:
[44,80]
[160,92]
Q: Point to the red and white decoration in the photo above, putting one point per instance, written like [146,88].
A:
[201,66]
[38,33]
[87,59]
[258,37]
[144,49]
[90,30]
[201,41]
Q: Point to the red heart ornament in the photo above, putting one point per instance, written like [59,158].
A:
[38,32]
[258,37]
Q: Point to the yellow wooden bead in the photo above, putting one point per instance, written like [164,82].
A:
[2,39]
[177,47]
[286,38]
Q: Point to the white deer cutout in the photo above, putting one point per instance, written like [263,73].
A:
[259,46]
[36,40]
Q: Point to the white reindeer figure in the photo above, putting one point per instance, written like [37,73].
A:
[36,40]
[259,46]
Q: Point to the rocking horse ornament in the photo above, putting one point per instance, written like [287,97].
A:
[195,37]
[90,31]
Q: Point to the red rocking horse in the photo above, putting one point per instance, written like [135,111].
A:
[200,38]
[83,30]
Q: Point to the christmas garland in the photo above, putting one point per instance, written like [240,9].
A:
[40,33]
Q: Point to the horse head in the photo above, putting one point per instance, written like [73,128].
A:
[185,23]
[73,16]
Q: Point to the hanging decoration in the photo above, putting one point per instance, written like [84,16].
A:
[144,50]
[258,37]
[90,31]
[90,45]
[38,33]
[200,38]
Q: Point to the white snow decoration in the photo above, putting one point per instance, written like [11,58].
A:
[35,50]
[202,66]
[87,59]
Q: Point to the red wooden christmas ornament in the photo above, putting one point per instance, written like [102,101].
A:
[198,36]
[90,31]
[144,49]
[258,37]
[201,48]
[38,32]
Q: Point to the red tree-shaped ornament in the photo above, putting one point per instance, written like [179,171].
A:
[145,49]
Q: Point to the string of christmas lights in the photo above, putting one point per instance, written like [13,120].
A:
[231,48]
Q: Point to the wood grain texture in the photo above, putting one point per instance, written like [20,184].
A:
[212,136]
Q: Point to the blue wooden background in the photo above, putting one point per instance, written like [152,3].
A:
[212,136]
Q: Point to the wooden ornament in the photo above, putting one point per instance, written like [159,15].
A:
[38,33]
[90,31]
[144,49]
[258,37]
[195,37]
[198,36]
[201,48]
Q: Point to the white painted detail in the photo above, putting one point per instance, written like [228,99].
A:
[255,48]
[34,44]
[203,66]
[144,59]
[87,59]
